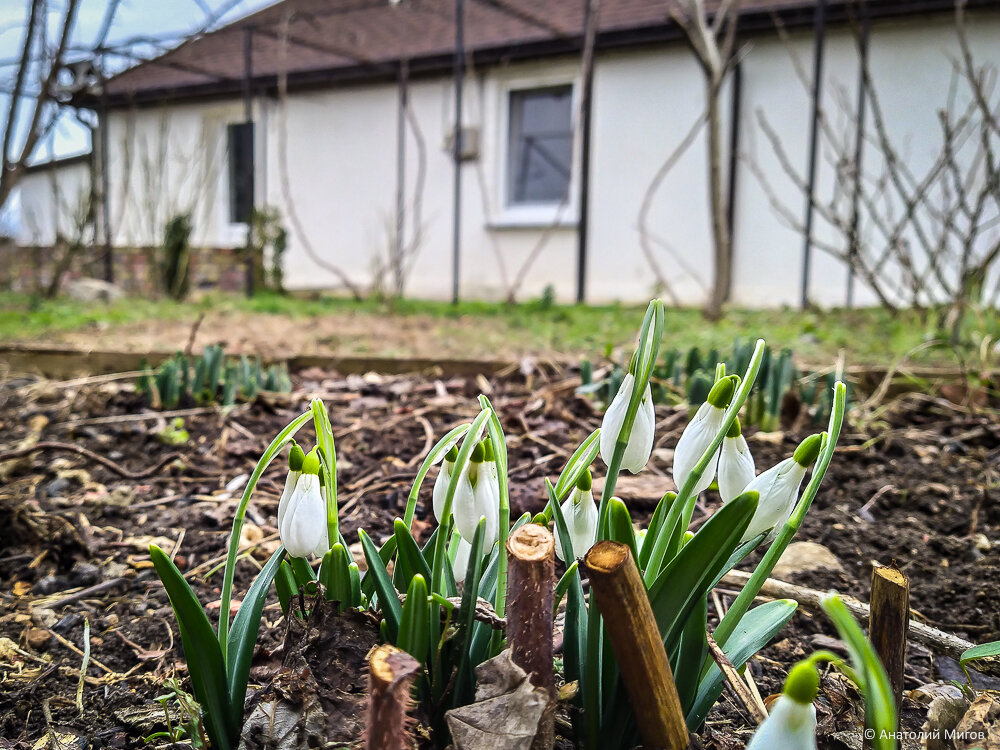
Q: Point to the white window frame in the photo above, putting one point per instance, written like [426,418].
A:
[539,215]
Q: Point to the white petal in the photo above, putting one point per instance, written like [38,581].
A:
[323,545]
[488,507]
[580,513]
[461,565]
[790,726]
[441,489]
[463,507]
[290,479]
[779,491]
[693,443]
[611,425]
[303,526]
[736,467]
[640,442]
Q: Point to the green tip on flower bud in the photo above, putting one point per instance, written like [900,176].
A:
[540,519]
[310,463]
[722,392]
[488,450]
[585,481]
[802,683]
[808,450]
[734,429]
[478,454]
[295,457]
[452,455]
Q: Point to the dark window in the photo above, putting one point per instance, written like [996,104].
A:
[540,150]
[241,177]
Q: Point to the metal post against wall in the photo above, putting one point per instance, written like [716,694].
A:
[457,147]
[817,92]
[736,109]
[102,127]
[859,143]
[586,110]
[249,174]
[401,173]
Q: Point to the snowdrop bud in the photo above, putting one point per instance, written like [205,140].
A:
[295,458]
[779,490]
[475,498]
[640,442]
[699,434]
[461,565]
[441,483]
[302,527]
[736,467]
[580,513]
[791,724]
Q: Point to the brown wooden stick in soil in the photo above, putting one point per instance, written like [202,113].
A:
[530,575]
[635,639]
[889,621]
[936,640]
[391,672]
[95,457]
[742,690]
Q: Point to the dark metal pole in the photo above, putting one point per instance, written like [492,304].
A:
[859,150]
[586,109]
[817,92]
[736,109]
[401,174]
[102,126]
[457,147]
[248,174]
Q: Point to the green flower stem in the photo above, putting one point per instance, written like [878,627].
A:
[742,604]
[276,445]
[441,447]
[668,540]
[500,453]
[328,457]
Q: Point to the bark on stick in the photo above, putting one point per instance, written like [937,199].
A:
[889,622]
[391,672]
[636,641]
[530,576]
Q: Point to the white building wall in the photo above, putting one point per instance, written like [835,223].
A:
[328,162]
[54,200]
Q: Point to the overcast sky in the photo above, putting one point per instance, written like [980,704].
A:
[134,18]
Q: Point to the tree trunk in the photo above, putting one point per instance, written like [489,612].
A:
[723,272]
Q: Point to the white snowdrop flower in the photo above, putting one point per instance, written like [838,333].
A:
[699,434]
[477,496]
[302,527]
[736,467]
[640,442]
[779,490]
[791,724]
[460,567]
[442,481]
[295,458]
[580,513]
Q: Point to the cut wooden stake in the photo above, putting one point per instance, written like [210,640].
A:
[635,639]
[530,576]
[889,622]
[751,702]
[391,672]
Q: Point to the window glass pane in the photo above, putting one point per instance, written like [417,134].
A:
[541,145]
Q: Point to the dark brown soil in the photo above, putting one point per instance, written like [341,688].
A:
[918,487]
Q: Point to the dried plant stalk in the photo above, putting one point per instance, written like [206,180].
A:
[391,672]
[636,641]
[530,575]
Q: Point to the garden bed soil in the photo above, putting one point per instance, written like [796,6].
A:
[918,487]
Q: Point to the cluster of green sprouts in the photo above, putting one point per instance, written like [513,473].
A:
[211,379]
[425,612]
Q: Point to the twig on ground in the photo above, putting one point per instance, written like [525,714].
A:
[97,458]
[743,693]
